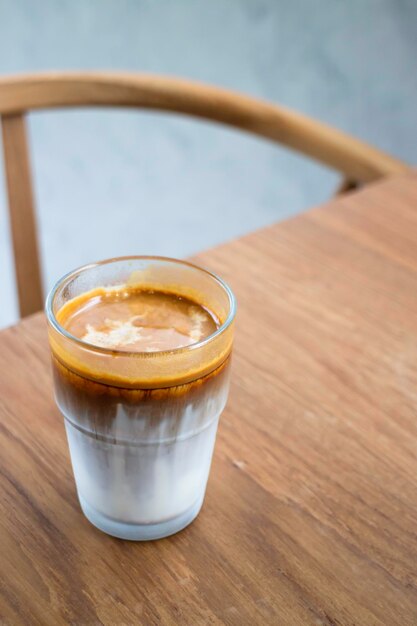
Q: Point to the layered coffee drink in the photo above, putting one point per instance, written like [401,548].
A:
[141,359]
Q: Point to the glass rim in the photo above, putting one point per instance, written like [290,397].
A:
[138,354]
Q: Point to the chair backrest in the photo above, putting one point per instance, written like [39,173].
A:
[358,162]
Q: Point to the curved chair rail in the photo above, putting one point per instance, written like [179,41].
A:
[356,160]
[19,95]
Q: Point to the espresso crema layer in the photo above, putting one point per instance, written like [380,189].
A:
[132,337]
[136,320]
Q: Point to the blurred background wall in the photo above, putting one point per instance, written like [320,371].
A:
[115,183]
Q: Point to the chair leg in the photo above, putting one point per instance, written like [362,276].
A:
[22,214]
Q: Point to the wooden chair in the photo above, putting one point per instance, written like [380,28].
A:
[358,162]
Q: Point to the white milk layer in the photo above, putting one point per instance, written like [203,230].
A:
[144,463]
[141,483]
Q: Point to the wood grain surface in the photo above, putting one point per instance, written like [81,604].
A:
[311,509]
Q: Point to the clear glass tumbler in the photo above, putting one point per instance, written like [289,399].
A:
[141,426]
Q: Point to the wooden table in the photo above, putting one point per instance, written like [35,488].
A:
[311,509]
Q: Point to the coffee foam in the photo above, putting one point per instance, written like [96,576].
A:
[144,321]
[142,365]
[120,334]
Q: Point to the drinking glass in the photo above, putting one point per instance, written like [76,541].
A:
[141,426]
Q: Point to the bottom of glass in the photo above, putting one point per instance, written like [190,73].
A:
[140,532]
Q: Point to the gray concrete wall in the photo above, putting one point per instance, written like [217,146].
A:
[113,183]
